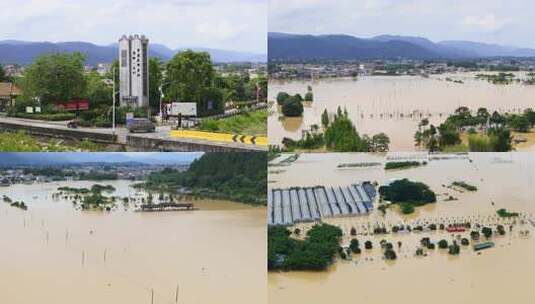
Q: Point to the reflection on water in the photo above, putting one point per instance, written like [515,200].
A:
[55,254]
[503,181]
[291,124]
[395,105]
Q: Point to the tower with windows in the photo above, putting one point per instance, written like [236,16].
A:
[134,71]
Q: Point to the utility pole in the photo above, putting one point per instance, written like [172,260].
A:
[160,88]
[114,93]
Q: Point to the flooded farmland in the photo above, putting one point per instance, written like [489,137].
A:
[492,276]
[395,105]
[54,253]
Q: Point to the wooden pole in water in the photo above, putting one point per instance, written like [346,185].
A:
[176,294]
[83,257]
[105,252]
[152,296]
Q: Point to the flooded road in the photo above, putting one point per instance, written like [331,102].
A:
[394,105]
[503,181]
[55,254]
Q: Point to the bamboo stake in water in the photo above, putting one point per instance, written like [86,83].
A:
[176,294]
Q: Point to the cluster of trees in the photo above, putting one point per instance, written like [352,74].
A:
[464,185]
[407,194]
[495,136]
[291,106]
[316,252]
[16,204]
[504,213]
[190,76]
[340,135]
[436,138]
[239,177]
[3,75]
[463,118]
[403,164]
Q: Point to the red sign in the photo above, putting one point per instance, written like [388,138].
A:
[73,105]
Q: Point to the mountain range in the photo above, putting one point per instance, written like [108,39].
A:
[24,52]
[294,47]
[68,158]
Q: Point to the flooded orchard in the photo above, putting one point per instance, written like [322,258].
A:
[491,276]
[55,253]
[395,104]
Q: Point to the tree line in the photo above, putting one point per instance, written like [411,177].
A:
[188,77]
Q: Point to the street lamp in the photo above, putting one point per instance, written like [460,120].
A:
[160,88]
[114,93]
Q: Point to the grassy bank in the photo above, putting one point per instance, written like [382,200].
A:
[22,142]
[250,123]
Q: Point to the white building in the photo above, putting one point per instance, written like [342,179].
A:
[134,71]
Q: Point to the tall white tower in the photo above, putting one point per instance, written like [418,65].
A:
[134,71]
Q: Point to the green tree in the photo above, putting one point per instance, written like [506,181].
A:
[497,119]
[325,119]
[519,123]
[3,76]
[282,97]
[97,91]
[191,78]
[292,107]
[486,231]
[309,96]
[530,116]
[56,77]
[380,142]
[502,139]
[342,136]
[448,135]
[155,80]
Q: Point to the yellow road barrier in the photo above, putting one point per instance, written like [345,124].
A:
[221,137]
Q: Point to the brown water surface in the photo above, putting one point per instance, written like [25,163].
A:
[383,103]
[498,275]
[55,254]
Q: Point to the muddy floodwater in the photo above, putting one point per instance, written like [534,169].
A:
[497,275]
[53,253]
[395,104]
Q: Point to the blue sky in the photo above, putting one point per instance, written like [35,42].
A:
[507,22]
[238,25]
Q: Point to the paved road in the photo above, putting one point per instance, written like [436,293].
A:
[162,132]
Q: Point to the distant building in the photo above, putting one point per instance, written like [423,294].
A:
[8,94]
[103,69]
[134,71]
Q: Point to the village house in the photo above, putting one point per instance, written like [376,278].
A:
[8,93]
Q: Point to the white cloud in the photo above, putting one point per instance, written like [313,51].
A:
[229,24]
[494,21]
[487,22]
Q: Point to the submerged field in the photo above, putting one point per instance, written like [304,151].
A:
[502,181]
[64,255]
[394,104]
